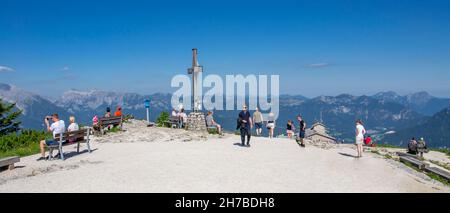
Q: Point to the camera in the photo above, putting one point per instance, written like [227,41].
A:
[48,117]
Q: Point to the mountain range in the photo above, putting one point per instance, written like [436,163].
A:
[384,112]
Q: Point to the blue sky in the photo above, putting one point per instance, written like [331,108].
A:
[317,47]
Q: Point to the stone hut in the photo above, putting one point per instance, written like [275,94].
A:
[318,133]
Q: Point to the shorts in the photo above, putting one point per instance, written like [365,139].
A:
[258,125]
[51,143]
[359,140]
[301,134]
[270,126]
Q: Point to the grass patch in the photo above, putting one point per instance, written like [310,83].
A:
[22,151]
[213,131]
[412,166]
[387,156]
[113,130]
[388,146]
[375,152]
[438,178]
[24,143]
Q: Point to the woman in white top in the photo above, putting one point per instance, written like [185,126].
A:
[271,124]
[359,137]
[73,126]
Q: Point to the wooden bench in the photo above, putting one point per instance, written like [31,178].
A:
[64,139]
[9,162]
[407,154]
[417,163]
[173,121]
[444,174]
[105,122]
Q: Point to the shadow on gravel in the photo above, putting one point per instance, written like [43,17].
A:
[347,155]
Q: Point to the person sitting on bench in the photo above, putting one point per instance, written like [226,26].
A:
[118,111]
[412,146]
[210,122]
[57,128]
[73,126]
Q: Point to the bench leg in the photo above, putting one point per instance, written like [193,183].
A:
[11,167]
[50,153]
[78,147]
[61,153]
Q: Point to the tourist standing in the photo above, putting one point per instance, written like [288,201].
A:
[245,125]
[302,130]
[290,129]
[271,124]
[359,139]
[258,121]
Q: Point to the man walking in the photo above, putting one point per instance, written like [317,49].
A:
[258,121]
[301,134]
[245,125]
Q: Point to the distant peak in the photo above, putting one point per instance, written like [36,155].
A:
[5,87]
[387,93]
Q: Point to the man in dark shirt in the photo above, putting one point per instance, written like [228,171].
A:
[301,134]
[246,125]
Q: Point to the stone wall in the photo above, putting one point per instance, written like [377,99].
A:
[196,122]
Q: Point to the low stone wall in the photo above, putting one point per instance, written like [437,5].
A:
[196,122]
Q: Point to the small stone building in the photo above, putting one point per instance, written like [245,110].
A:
[318,133]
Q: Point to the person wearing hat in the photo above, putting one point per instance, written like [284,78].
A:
[421,147]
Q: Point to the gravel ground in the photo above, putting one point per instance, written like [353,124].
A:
[149,159]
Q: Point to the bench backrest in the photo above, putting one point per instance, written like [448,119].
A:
[73,135]
[110,120]
[174,118]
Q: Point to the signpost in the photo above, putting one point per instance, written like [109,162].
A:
[147,106]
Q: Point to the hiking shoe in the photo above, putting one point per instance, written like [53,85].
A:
[248,144]
[302,145]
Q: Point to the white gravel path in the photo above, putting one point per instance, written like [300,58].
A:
[214,165]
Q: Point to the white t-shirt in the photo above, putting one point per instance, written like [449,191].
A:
[361,131]
[174,113]
[184,116]
[58,127]
[73,127]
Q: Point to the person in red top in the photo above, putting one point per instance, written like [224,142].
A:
[368,141]
[118,112]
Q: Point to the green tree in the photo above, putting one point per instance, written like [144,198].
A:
[8,123]
[162,119]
